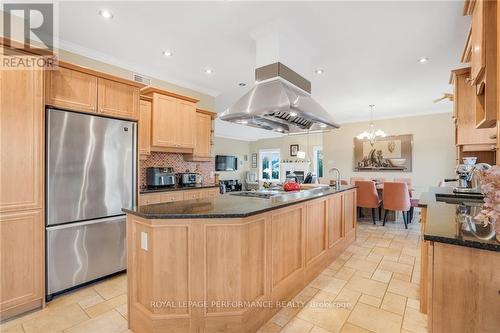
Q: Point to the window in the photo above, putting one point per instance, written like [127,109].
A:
[269,168]
[318,161]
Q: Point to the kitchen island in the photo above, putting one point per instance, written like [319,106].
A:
[460,265]
[227,264]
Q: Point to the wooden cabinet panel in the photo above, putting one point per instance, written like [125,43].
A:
[186,121]
[335,219]
[349,211]
[465,289]
[149,199]
[210,193]
[21,139]
[193,194]
[286,239]
[316,230]
[203,135]
[165,126]
[172,196]
[22,259]
[144,137]
[70,89]
[477,42]
[117,99]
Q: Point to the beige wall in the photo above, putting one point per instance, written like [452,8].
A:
[433,148]
[238,148]
[206,101]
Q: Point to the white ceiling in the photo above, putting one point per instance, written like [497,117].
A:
[369,50]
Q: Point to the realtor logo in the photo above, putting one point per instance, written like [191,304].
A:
[38,25]
[29,27]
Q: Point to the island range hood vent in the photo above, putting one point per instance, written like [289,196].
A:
[280,101]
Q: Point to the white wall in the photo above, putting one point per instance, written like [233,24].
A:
[433,149]
[238,148]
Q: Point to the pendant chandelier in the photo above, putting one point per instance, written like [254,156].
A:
[371,135]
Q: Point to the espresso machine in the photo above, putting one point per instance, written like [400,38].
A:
[468,178]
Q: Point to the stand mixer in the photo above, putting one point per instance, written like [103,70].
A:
[468,177]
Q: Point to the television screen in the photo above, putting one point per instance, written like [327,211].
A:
[226,163]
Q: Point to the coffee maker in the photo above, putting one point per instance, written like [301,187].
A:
[468,178]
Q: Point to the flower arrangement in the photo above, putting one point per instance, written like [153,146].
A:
[490,186]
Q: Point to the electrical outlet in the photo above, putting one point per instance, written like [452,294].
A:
[144,241]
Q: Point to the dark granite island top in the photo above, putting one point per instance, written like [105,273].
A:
[443,209]
[227,206]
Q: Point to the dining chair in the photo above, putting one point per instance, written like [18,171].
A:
[403,180]
[396,197]
[367,197]
[354,179]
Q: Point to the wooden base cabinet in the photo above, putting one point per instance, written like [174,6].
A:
[21,191]
[218,262]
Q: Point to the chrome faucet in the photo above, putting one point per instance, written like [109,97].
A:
[337,182]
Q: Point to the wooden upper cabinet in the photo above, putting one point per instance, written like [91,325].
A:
[477,42]
[144,137]
[21,139]
[173,121]
[71,89]
[117,99]
[464,106]
[203,136]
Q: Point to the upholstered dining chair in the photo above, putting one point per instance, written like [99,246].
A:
[396,197]
[367,197]
[413,202]
[403,180]
[354,179]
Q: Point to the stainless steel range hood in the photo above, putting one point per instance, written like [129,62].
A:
[280,101]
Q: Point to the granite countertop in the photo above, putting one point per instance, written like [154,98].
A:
[175,188]
[441,223]
[224,206]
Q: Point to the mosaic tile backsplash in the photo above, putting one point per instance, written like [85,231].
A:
[176,161]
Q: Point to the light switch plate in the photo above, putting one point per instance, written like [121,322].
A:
[144,241]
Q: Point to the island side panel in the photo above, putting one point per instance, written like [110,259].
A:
[266,257]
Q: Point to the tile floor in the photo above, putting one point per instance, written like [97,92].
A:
[372,287]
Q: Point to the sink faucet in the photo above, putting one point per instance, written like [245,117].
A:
[337,182]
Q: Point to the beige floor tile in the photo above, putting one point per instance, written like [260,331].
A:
[361,274]
[122,309]
[414,252]
[348,298]
[367,286]
[394,303]
[350,328]
[12,329]
[269,327]
[395,267]
[415,321]
[317,329]
[402,277]
[361,265]
[406,259]
[358,250]
[374,257]
[330,318]
[382,276]
[375,319]
[334,286]
[91,300]
[297,325]
[109,322]
[56,320]
[106,306]
[345,273]
[403,288]
[413,303]
[280,319]
[320,281]
[386,251]
[370,300]
[76,296]
[112,288]
[325,296]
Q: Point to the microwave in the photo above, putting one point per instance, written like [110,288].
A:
[226,163]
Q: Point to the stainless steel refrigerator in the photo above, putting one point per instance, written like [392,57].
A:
[90,177]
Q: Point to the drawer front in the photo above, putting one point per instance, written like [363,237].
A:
[171,197]
[192,194]
[149,199]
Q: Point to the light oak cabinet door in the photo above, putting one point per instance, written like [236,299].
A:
[193,194]
[187,117]
[165,125]
[149,199]
[210,193]
[21,140]
[349,211]
[477,42]
[172,196]
[117,99]
[70,89]
[335,219]
[22,261]
[203,135]
[144,137]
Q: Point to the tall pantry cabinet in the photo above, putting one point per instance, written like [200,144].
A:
[21,190]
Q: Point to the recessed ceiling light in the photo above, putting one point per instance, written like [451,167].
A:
[243,122]
[319,71]
[279,129]
[209,71]
[168,53]
[322,125]
[242,84]
[423,60]
[293,114]
[106,13]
